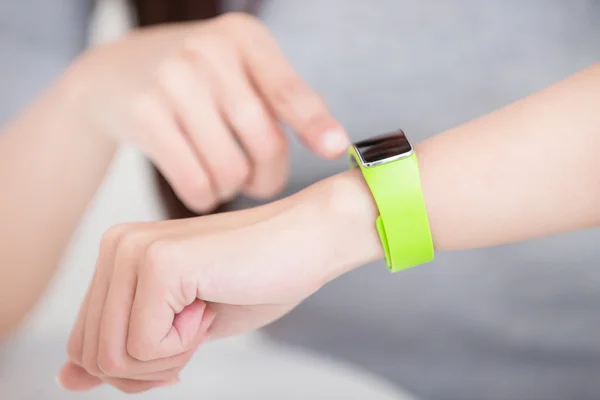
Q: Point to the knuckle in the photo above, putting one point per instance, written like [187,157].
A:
[202,207]
[131,241]
[156,254]
[130,244]
[90,364]
[236,20]
[169,73]
[248,114]
[158,260]
[194,186]
[74,351]
[192,48]
[199,48]
[130,248]
[114,234]
[267,141]
[236,173]
[110,364]
[139,349]
[195,191]
[242,172]
[289,89]
[264,184]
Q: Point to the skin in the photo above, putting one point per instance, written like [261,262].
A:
[163,90]
[162,288]
[205,102]
[502,178]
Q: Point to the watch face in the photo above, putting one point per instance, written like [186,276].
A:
[384,148]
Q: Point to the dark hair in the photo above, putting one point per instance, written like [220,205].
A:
[155,12]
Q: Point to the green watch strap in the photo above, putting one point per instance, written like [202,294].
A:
[402,224]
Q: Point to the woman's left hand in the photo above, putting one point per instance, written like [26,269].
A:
[161,288]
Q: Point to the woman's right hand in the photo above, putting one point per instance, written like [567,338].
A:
[204,101]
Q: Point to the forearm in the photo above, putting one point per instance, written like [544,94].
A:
[50,168]
[528,170]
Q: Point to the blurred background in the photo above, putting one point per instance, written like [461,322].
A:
[516,322]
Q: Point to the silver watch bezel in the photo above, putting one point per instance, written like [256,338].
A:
[385,160]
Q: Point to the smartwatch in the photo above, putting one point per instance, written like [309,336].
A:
[389,166]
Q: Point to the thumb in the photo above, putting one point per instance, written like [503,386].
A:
[159,329]
[76,379]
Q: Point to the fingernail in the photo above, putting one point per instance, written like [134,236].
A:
[58,382]
[335,142]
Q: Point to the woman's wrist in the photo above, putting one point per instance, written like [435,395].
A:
[74,91]
[341,209]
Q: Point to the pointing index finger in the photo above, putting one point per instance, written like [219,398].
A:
[290,98]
